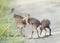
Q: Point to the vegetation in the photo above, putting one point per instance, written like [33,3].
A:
[8,30]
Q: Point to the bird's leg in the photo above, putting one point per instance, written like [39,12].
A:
[32,34]
[49,31]
[37,33]
[45,31]
[22,32]
[40,31]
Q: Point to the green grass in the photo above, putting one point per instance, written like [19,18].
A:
[8,28]
[13,40]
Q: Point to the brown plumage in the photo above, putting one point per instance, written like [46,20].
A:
[20,22]
[45,23]
[33,22]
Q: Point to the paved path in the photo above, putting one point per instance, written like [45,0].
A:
[42,10]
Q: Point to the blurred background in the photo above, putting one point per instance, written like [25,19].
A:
[40,9]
